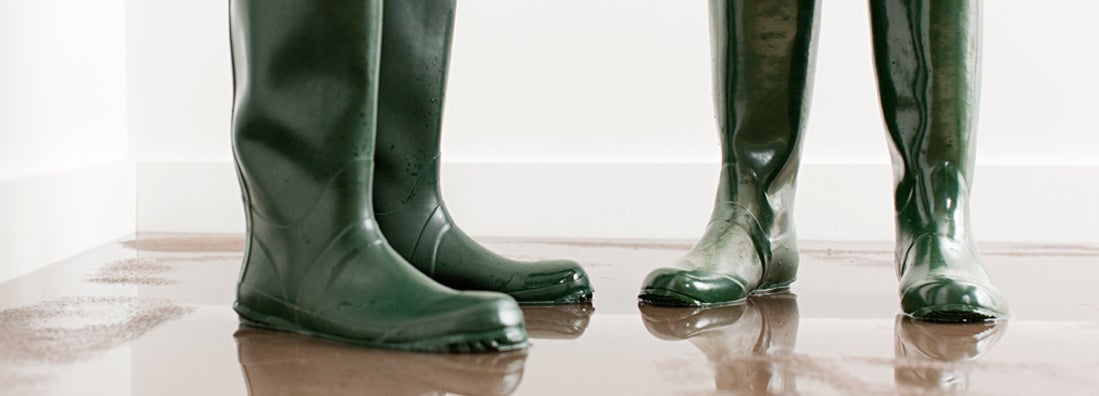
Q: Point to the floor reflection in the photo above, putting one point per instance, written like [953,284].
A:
[558,322]
[277,363]
[749,345]
[937,357]
[63,330]
[751,348]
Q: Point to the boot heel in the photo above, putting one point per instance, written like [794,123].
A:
[782,270]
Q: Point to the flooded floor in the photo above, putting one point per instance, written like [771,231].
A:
[152,316]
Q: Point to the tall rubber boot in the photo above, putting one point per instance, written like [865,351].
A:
[926,56]
[936,357]
[763,55]
[409,206]
[306,78]
[277,364]
[750,346]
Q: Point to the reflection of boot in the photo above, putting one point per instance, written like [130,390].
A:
[931,356]
[926,55]
[410,209]
[748,344]
[564,322]
[684,323]
[303,135]
[763,55]
[287,364]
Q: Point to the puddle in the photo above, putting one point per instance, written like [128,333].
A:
[72,329]
[146,271]
[277,363]
[134,271]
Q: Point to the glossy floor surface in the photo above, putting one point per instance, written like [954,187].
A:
[152,316]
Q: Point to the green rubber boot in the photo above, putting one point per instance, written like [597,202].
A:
[926,55]
[306,78]
[407,202]
[763,55]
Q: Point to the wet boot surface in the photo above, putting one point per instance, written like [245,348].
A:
[415,55]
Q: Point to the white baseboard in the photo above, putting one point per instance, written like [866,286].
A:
[842,202]
[49,217]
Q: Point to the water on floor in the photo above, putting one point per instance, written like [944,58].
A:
[152,316]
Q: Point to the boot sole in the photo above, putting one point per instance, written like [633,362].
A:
[496,340]
[670,298]
[955,313]
[582,295]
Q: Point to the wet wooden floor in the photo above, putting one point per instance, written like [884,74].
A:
[152,316]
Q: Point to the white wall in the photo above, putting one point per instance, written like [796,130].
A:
[575,118]
[628,81]
[62,85]
[594,84]
[180,84]
[65,182]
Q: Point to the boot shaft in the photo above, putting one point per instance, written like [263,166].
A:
[763,57]
[305,88]
[927,62]
[415,56]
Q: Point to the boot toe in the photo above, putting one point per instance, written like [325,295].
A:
[953,300]
[679,287]
[551,282]
[472,322]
